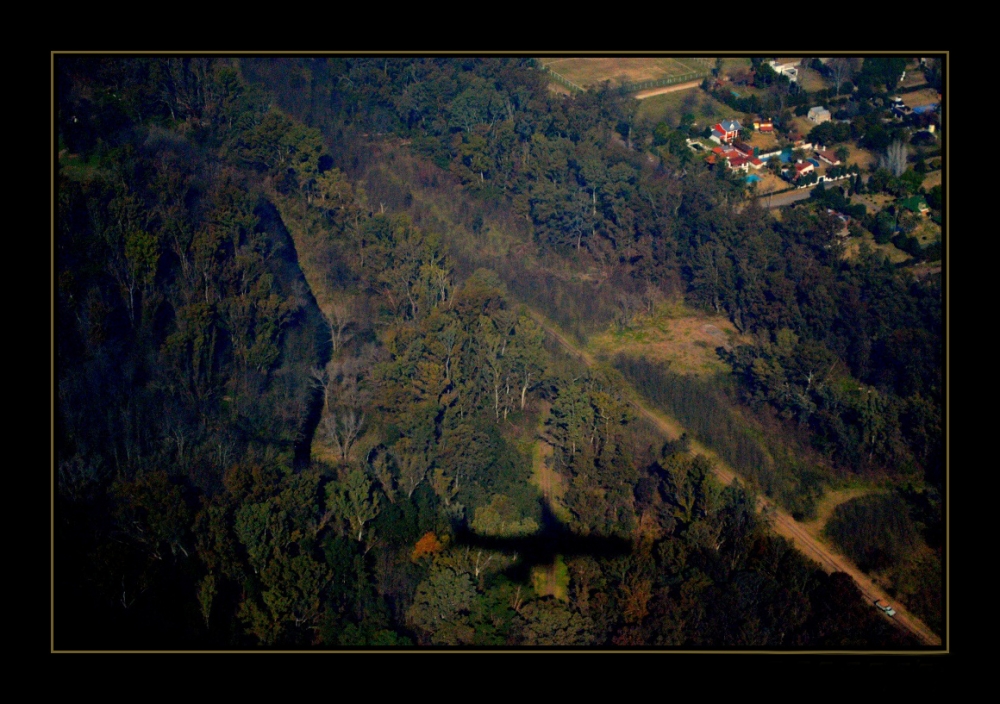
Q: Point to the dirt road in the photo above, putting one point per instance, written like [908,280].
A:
[666,89]
[784,525]
[783,199]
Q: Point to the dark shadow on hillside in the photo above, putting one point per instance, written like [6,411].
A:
[287,262]
[540,548]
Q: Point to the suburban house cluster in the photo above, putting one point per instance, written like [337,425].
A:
[736,154]
[741,156]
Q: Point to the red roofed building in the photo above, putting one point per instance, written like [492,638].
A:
[766,126]
[738,162]
[726,130]
[829,157]
[803,168]
[756,163]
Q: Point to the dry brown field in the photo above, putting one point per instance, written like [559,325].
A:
[592,71]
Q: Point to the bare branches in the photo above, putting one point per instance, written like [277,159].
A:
[894,158]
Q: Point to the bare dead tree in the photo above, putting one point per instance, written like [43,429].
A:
[340,429]
[346,426]
[341,318]
[321,379]
[841,70]
[894,158]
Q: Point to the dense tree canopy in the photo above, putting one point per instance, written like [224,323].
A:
[286,413]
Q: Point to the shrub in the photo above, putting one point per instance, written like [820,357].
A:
[875,531]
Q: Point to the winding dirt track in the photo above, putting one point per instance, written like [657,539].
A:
[783,524]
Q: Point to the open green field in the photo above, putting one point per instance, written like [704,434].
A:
[669,108]
[674,333]
[592,71]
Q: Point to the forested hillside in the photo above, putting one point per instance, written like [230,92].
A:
[297,406]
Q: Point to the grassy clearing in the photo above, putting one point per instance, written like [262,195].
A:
[669,108]
[592,71]
[932,179]
[731,64]
[894,255]
[765,141]
[927,232]
[916,99]
[859,156]
[683,338]
[803,125]
[811,80]
[769,183]
[873,201]
[551,580]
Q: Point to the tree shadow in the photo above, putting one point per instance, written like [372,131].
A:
[541,548]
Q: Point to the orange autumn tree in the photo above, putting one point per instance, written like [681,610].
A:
[427,545]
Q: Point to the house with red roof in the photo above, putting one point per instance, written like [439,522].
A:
[829,157]
[726,131]
[803,168]
[738,162]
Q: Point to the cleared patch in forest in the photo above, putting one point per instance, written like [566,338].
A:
[670,107]
[673,333]
[551,580]
[926,231]
[592,71]
[826,505]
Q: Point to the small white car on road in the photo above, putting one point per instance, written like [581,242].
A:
[882,606]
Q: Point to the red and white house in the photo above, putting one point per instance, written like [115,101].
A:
[803,168]
[726,130]
[739,156]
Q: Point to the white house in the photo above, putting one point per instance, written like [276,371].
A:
[819,114]
[790,70]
